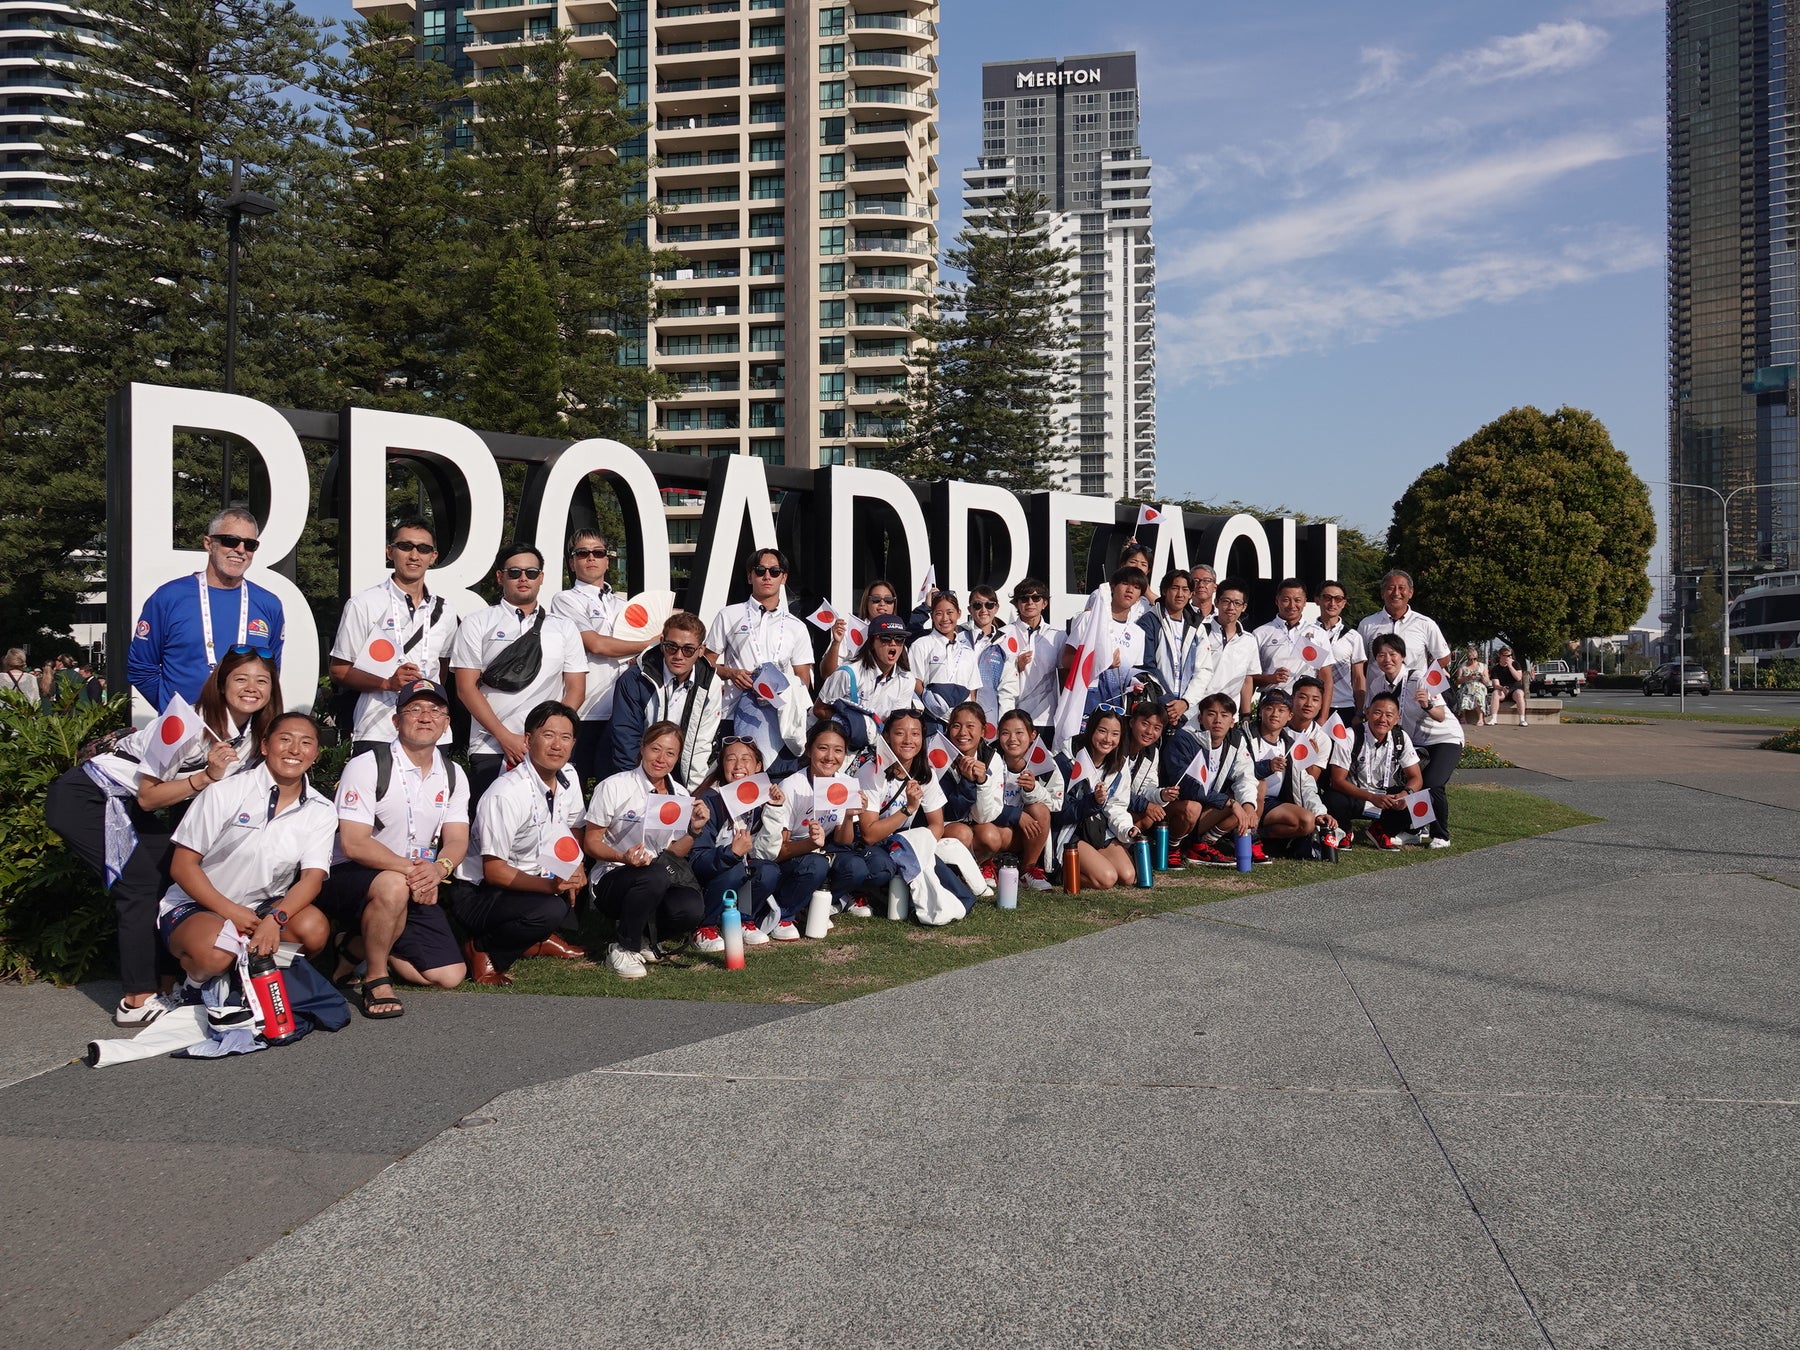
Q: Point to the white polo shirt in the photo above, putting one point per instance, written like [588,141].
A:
[1237,659]
[747,635]
[1424,643]
[594,609]
[123,767]
[515,815]
[1420,728]
[387,611]
[797,809]
[1347,650]
[880,694]
[488,632]
[936,659]
[414,810]
[1376,769]
[617,807]
[248,851]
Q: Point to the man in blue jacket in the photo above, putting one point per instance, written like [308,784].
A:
[189,624]
[669,682]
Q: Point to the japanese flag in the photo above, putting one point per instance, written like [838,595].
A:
[824,616]
[1435,679]
[769,682]
[558,853]
[170,737]
[1303,754]
[1335,728]
[667,815]
[856,632]
[1147,515]
[1197,768]
[1308,650]
[1087,640]
[1012,644]
[1418,809]
[743,795]
[1038,758]
[644,615]
[941,753]
[834,797]
[380,656]
[1083,771]
[873,771]
[928,587]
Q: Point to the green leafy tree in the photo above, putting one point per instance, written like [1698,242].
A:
[1361,559]
[1535,527]
[548,188]
[515,381]
[126,280]
[983,400]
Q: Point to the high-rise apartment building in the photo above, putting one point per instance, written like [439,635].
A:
[1734,288]
[1069,129]
[794,155]
[39,39]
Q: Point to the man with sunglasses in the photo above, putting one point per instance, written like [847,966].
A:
[497,716]
[594,607]
[1039,661]
[668,683]
[744,636]
[189,624]
[402,610]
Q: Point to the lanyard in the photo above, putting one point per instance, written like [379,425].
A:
[758,621]
[1376,771]
[206,628]
[416,631]
[412,837]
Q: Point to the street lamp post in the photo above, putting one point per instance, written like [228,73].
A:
[1725,573]
[242,202]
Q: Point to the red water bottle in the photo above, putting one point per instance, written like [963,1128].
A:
[270,991]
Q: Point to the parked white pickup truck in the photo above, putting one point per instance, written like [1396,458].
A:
[1554,679]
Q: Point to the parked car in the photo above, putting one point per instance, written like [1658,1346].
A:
[1554,679]
[1672,676]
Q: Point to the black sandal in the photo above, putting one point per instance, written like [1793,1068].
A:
[366,998]
[339,948]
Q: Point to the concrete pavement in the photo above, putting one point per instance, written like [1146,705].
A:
[1540,1094]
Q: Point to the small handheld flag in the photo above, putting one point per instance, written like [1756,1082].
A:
[856,632]
[743,795]
[666,814]
[379,657]
[823,617]
[1083,771]
[1435,679]
[1197,768]
[1419,810]
[1335,728]
[928,587]
[558,853]
[941,753]
[873,771]
[769,682]
[169,738]
[1147,515]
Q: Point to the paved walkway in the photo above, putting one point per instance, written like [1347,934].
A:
[1540,1094]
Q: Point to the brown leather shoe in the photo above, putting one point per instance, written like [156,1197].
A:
[556,946]
[481,966]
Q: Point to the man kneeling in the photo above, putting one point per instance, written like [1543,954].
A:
[403,826]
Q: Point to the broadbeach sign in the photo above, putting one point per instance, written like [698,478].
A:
[841,526]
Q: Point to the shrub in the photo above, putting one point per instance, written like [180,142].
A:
[55,921]
[1788,742]
[1480,757]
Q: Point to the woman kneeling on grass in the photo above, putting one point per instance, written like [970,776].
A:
[1100,811]
[724,863]
[236,853]
[813,839]
[1027,800]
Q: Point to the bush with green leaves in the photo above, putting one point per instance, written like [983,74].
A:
[55,920]
[1788,742]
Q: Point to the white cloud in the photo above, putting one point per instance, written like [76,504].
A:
[1381,70]
[1269,315]
[1550,48]
[1400,210]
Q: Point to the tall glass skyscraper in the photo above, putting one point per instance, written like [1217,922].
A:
[1069,129]
[1734,292]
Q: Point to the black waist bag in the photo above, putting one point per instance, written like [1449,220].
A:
[517,667]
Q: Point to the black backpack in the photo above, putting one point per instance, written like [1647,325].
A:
[384,771]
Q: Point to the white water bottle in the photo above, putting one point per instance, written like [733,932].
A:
[1007,887]
[818,915]
[899,899]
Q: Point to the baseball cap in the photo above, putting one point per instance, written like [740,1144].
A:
[887,625]
[420,688]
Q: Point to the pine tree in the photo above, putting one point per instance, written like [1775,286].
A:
[983,400]
[515,381]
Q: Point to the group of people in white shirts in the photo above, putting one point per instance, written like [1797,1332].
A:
[732,765]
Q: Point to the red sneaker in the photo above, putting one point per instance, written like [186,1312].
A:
[1381,840]
[1175,858]
[1207,855]
[1256,851]
[1036,880]
[990,870]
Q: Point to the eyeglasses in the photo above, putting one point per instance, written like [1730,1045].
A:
[585,553]
[984,604]
[768,571]
[229,541]
[412,546]
[263,652]
[424,707]
[680,648]
[529,573]
[1233,603]
[1327,597]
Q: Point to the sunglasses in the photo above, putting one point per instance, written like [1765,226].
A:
[740,740]
[984,604]
[1033,599]
[768,571]
[891,638]
[882,600]
[680,649]
[586,553]
[263,652]
[229,541]
[529,573]
[410,546]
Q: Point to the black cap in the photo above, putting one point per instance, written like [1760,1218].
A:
[420,689]
[887,625]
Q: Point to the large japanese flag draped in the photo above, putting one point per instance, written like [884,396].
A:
[1419,809]
[873,772]
[171,736]
[1198,771]
[644,616]
[1084,770]
[1085,641]
[380,656]
[928,587]
[666,816]
[1147,515]
[825,616]
[856,632]
[834,798]
[558,853]
[941,753]
[743,795]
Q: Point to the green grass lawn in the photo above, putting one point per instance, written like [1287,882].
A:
[1676,715]
[862,955]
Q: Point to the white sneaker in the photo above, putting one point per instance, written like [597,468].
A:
[859,909]
[146,1012]
[754,936]
[1435,842]
[647,954]
[786,931]
[1523,722]
[626,965]
[1423,839]
[708,940]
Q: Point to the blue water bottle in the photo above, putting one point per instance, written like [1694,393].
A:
[731,926]
[1246,863]
[1140,854]
[1160,836]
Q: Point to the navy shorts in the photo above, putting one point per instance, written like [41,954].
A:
[166,924]
[426,943]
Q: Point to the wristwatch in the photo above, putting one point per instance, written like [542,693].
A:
[448,867]
[280,917]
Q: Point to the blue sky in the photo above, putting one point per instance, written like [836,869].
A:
[1379,225]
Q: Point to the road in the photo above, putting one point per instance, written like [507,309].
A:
[1763,704]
